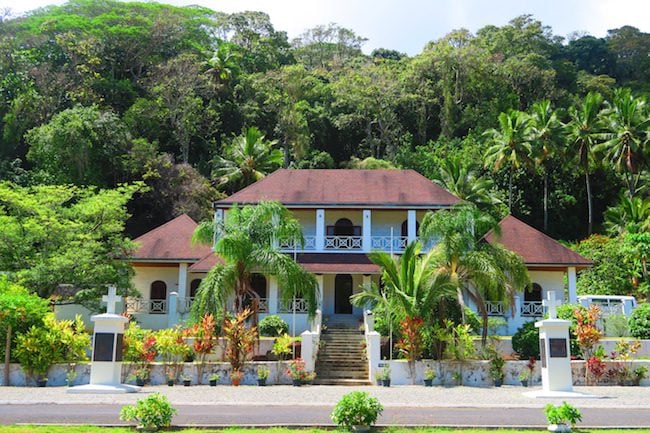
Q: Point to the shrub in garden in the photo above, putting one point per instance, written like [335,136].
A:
[526,341]
[356,409]
[139,349]
[172,349]
[562,414]
[640,322]
[205,338]
[153,412]
[53,342]
[272,326]
[240,339]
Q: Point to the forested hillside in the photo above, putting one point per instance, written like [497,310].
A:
[198,103]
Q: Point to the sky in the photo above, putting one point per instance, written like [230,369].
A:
[407,25]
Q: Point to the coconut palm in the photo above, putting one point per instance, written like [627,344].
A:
[413,286]
[246,245]
[247,159]
[474,267]
[464,181]
[510,144]
[628,123]
[546,130]
[584,132]
[630,213]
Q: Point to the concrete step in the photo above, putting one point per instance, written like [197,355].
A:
[342,382]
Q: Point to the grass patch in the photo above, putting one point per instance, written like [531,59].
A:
[95,429]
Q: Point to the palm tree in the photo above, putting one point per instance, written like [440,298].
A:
[547,133]
[483,271]
[247,159]
[584,132]
[412,287]
[628,122]
[511,144]
[224,64]
[464,181]
[631,214]
[246,245]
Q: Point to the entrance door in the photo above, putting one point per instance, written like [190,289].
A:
[342,293]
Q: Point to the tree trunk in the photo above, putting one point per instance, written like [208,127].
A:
[545,202]
[7,356]
[510,190]
[589,203]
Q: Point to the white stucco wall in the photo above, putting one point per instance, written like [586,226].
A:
[328,292]
[307,219]
[550,281]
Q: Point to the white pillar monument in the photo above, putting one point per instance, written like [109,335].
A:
[555,355]
[106,360]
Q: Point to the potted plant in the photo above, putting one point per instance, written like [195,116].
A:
[70,376]
[496,369]
[187,380]
[640,373]
[170,380]
[141,375]
[297,372]
[429,375]
[262,375]
[561,418]
[524,376]
[357,411]
[235,377]
[152,413]
[384,374]
[457,377]
[214,378]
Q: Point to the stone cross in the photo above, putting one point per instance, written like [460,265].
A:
[551,304]
[111,300]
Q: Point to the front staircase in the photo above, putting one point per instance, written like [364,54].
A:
[341,357]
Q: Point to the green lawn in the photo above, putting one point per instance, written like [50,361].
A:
[93,429]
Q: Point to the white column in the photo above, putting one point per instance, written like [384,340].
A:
[308,350]
[366,230]
[272,299]
[321,289]
[182,280]
[320,229]
[412,225]
[373,348]
[172,310]
[218,222]
[571,277]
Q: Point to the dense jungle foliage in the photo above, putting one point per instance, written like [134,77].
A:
[197,104]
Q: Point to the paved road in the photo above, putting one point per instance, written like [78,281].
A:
[311,406]
[224,415]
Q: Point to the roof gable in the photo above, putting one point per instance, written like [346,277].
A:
[170,241]
[345,188]
[535,247]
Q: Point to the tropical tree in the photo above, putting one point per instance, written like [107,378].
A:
[414,286]
[246,244]
[547,133]
[584,132]
[510,144]
[482,271]
[627,120]
[631,214]
[463,180]
[247,159]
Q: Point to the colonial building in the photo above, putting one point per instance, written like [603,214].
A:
[344,214]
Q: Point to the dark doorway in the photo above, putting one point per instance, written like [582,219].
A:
[534,295]
[158,296]
[342,293]
[194,287]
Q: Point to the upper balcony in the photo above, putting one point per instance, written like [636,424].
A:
[329,230]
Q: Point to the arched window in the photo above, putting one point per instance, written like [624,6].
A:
[194,287]
[158,297]
[258,283]
[344,227]
[534,294]
[405,228]
[158,290]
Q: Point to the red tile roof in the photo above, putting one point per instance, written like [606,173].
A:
[345,188]
[170,241]
[533,246]
[337,263]
[206,263]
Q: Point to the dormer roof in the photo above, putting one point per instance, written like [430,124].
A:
[535,247]
[170,242]
[345,188]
